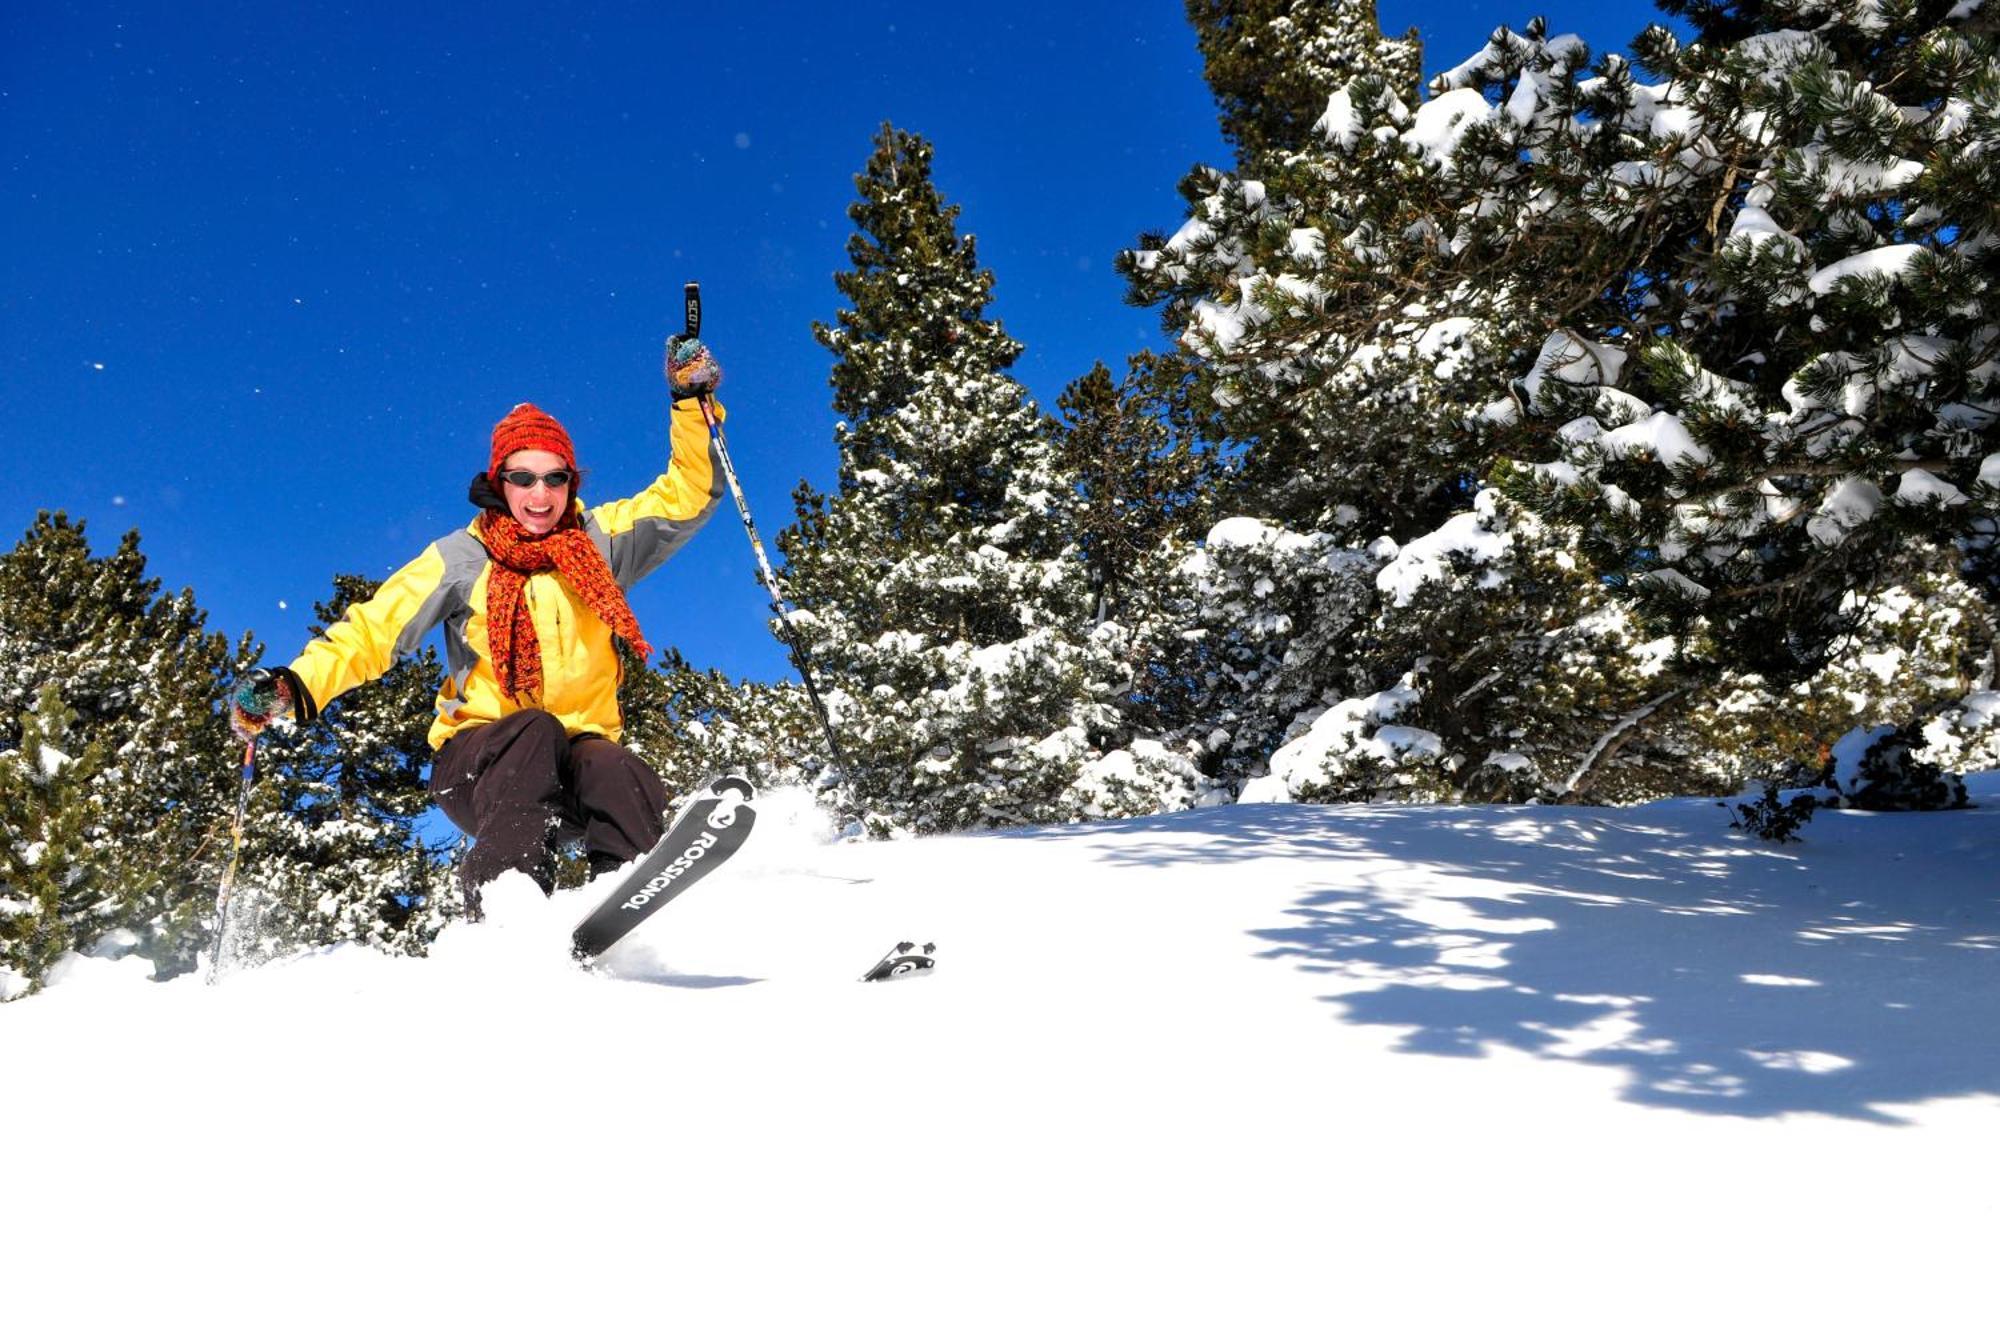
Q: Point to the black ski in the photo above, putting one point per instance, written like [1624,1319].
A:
[905,959]
[709,829]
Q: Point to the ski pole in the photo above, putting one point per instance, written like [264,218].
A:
[800,662]
[235,855]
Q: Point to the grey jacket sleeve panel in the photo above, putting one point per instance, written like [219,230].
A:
[464,558]
[639,534]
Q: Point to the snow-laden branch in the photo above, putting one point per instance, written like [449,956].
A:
[1617,734]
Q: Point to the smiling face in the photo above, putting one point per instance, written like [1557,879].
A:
[539,508]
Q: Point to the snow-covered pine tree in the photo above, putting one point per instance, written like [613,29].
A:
[693,724]
[1293,319]
[1779,418]
[1536,228]
[51,891]
[1300,280]
[1792,383]
[333,851]
[1915,653]
[1272,64]
[1242,633]
[1345,331]
[1145,462]
[938,587]
[1145,468]
[143,681]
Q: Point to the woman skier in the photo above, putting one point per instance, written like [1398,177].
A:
[531,596]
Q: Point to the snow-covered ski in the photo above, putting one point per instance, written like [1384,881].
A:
[905,959]
[710,828]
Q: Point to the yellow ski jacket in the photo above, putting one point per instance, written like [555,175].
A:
[447,584]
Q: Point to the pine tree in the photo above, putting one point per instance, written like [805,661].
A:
[1345,331]
[51,891]
[333,851]
[937,588]
[1272,65]
[1914,649]
[1144,467]
[1795,375]
[1145,462]
[693,724]
[1566,266]
[1298,281]
[143,681]
[917,363]
[1252,628]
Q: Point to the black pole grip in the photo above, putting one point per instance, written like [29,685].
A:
[692,293]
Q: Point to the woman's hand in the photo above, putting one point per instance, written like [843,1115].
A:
[691,367]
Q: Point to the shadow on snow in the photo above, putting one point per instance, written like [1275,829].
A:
[1839,976]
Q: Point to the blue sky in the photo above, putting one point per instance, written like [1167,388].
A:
[268,274]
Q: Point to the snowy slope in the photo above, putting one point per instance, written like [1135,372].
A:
[1260,1064]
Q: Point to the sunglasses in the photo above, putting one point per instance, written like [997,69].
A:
[526,479]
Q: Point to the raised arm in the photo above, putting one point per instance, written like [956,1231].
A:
[648,528]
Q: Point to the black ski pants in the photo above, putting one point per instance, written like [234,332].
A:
[518,783]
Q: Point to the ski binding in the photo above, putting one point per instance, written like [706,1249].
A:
[905,959]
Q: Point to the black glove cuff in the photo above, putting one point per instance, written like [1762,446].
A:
[304,709]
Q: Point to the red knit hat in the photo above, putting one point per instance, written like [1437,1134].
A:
[526,427]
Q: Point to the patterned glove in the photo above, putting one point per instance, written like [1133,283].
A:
[257,700]
[691,368]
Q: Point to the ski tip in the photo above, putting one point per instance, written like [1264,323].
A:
[737,784]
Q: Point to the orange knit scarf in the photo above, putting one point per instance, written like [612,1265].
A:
[510,628]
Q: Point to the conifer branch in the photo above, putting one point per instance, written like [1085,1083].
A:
[1613,740]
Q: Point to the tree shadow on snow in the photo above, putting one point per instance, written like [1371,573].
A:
[1839,976]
